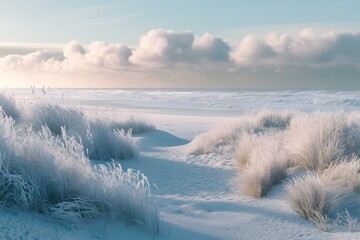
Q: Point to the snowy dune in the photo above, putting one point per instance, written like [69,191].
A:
[218,164]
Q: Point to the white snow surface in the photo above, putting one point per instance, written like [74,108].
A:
[196,195]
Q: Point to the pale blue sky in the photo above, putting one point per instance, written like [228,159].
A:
[125,21]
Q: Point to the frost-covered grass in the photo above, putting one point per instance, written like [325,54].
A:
[344,175]
[45,164]
[256,141]
[311,198]
[52,175]
[272,119]
[109,144]
[318,140]
[115,121]
[262,162]
[322,196]
[9,106]
[104,137]
[221,138]
[111,134]
[56,115]
[324,146]
[224,137]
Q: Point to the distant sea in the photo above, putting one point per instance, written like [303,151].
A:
[192,101]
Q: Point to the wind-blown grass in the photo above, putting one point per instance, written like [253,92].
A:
[272,119]
[311,198]
[109,144]
[257,143]
[318,196]
[318,140]
[262,163]
[52,175]
[220,139]
[9,107]
[344,175]
[103,137]
[56,116]
[264,145]
[127,122]
[224,137]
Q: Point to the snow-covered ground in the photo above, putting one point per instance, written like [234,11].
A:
[197,195]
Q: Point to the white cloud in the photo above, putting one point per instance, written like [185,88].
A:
[35,61]
[211,48]
[252,51]
[163,48]
[74,57]
[162,53]
[108,55]
[305,50]
[97,54]
[72,49]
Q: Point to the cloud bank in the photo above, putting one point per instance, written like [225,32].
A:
[163,57]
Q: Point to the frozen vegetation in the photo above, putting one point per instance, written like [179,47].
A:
[321,148]
[45,165]
[103,137]
[9,107]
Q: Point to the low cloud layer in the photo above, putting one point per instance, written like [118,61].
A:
[164,55]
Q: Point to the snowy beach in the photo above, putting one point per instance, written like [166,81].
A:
[198,196]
